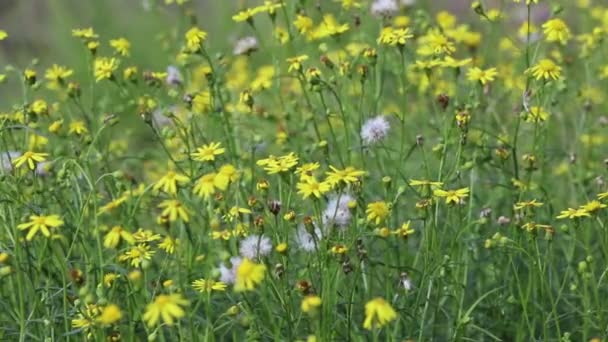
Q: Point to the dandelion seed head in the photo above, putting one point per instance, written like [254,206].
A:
[375,129]
[305,240]
[384,8]
[228,273]
[337,211]
[245,46]
[255,246]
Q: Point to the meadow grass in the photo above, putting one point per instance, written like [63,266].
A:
[309,171]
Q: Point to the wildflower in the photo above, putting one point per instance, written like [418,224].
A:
[205,186]
[201,102]
[226,174]
[57,73]
[303,23]
[170,181]
[593,206]
[86,33]
[377,211]
[384,8]
[280,164]
[337,212]
[245,46]
[310,186]
[228,274]
[39,107]
[571,213]
[346,176]
[546,69]
[3,35]
[111,205]
[104,68]
[307,241]
[405,231]
[310,303]
[435,43]
[167,307]
[527,204]
[248,275]
[121,45]
[452,196]
[110,314]
[208,152]
[195,37]
[536,114]
[208,285]
[174,77]
[109,278]
[31,158]
[40,223]
[77,127]
[173,209]
[295,63]
[246,15]
[556,30]
[169,244]
[378,312]
[374,130]
[255,246]
[476,74]
[137,254]
[113,237]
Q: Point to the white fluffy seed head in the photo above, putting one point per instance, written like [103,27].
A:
[375,129]
[384,8]
[255,246]
[228,274]
[174,76]
[305,240]
[245,46]
[337,211]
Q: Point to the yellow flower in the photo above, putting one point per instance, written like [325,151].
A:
[167,307]
[77,127]
[113,237]
[346,176]
[169,182]
[280,164]
[377,211]
[556,30]
[201,102]
[311,186]
[57,73]
[86,33]
[378,312]
[295,63]
[527,204]
[173,209]
[546,69]
[169,244]
[109,278]
[208,285]
[248,275]
[31,158]
[137,255]
[205,186]
[537,114]
[121,45]
[435,43]
[245,15]
[571,213]
[195,37]
[452,196]
[104,68]
[415,182]
[40,107]
[3,35]
[593,206]
[405,231]
[476,74]
[208,152]
[310,303]
[40,223]
[110,314]
[303,23]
